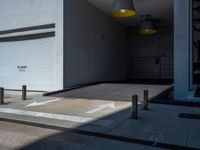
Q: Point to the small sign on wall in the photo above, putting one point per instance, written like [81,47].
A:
[22,68]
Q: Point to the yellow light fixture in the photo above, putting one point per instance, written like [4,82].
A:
[147,27]
[123,8]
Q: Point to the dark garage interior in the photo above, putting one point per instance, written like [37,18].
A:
[101,48]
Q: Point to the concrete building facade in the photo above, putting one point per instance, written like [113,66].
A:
[51,45]
[54,44]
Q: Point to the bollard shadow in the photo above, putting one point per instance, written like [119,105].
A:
[7,103]
[7,97]
[29,98]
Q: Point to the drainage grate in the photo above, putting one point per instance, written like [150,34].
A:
[190,116]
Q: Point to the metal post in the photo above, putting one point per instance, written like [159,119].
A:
[146,99]
[134,107]
[24,92]
[1,96]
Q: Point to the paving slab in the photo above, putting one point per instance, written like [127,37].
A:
[22,137]
[194,135]
[160,124]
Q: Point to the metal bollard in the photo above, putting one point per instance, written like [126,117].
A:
[146,100]
[1,96]
[134,107]
[24,92]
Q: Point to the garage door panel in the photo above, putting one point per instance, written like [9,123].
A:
[28,62]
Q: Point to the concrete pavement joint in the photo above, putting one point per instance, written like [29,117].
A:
[188,133]
[159,137]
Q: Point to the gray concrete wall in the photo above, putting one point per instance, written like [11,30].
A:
[181,49]
[94,45]
[145,49]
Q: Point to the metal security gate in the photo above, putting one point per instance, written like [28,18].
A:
[151,68]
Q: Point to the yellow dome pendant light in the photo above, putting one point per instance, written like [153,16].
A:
[123,8]
[147,27]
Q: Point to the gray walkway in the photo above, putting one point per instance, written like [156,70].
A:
[22,137]
[159,125]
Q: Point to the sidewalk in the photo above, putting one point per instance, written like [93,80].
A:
[159,126]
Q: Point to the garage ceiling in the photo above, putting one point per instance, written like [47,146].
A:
[161,10]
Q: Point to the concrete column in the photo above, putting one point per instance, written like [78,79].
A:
[60,48]
[181,49]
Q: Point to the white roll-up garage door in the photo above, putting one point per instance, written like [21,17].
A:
[28,45]
[28,62]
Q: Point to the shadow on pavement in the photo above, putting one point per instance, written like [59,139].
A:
[110,128]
